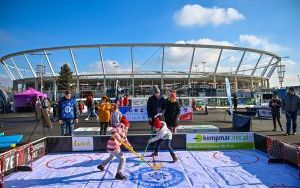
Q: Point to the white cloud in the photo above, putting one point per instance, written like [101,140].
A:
[5,80]
[196,15]
[261,43]
[110,67]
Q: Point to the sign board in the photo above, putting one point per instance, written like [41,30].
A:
[134,113]
[264,113]
[82,144]
[138,102]
[219,141]
[196,128]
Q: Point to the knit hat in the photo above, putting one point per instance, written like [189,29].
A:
[157,123]
[156,90]
[125,121]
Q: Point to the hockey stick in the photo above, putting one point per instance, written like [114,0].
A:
[154,167]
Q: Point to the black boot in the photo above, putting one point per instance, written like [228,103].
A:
[101,168]
[120,176]
[174,157]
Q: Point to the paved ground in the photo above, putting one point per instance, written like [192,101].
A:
[24,123]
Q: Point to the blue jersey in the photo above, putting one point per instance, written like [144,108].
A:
[67,109]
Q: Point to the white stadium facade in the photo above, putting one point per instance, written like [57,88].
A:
[191,69]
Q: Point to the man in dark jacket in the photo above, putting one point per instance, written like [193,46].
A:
[291,105]
[67,112]
[275,105]
[153,107]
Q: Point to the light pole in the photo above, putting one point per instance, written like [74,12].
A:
[203,63]
[41,69]
[281,71]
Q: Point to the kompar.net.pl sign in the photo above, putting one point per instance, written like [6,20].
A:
[220,141]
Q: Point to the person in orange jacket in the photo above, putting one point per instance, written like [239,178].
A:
[104,114]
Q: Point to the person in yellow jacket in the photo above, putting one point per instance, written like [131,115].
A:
[104,114]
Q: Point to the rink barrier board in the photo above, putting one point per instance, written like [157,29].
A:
[26,154]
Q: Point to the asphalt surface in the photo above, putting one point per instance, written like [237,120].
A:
[24,123]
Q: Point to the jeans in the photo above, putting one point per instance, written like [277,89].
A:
[167,143]
[67,127]
[276,116]
[291,118]
[92,113]
[119,155]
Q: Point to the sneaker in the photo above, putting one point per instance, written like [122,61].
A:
[286,134]
[120,176]
[294,133]
[86,119]
[101,168]
[174,157]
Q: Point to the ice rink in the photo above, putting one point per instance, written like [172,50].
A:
[233,168]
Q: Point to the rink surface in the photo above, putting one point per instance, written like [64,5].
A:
[233,168]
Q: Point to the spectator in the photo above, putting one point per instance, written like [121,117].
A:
[116,115]
[171,112]
[275,105]
[125,100]
[104,114]
[46,104]
[291,105]
[235,101]
[91,108]
[152,106]
[67,112]
[80,107]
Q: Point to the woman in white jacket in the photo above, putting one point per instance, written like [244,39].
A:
[163,135]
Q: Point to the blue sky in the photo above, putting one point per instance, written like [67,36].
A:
[263,24]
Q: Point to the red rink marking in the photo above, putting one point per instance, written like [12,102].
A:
[69,160]
[254,158]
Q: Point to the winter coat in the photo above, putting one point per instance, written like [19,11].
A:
[152,106]
[104,112]
[172,111]
[291,103]
[115,118]
[67,109]
[155,105]
[118,133]
[275,108]
[164,133]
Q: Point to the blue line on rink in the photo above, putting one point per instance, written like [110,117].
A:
[234,168]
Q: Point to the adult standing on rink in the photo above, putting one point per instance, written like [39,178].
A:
[153,106]
[291,105]
[171,112]
[67,112]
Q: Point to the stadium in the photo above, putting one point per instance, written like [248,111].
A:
[191,69]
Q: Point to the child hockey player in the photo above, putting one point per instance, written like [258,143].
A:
[116,115]
[163,135]
[118,132]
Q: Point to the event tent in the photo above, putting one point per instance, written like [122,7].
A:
[26,99]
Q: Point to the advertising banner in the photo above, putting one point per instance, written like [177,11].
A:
[219,141]
[138,102]
[134,113]
[82,144]
[264,113]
